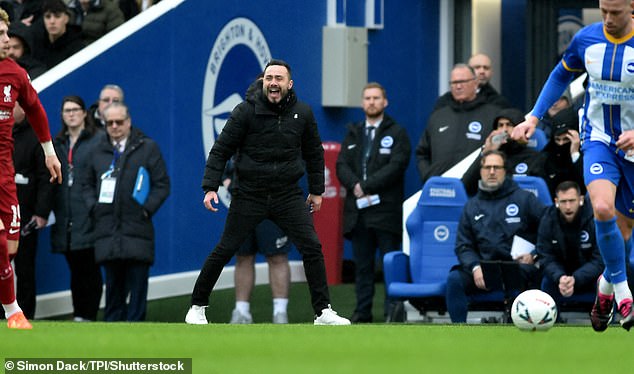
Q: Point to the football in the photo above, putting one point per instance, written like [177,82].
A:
[534,310]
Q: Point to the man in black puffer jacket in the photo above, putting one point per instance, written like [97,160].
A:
[272,134]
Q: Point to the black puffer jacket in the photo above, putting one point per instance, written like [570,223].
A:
[271,143]
[123,229]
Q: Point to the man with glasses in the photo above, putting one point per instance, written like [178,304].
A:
[490,222]
[455,130]
[110,93]
[124,234]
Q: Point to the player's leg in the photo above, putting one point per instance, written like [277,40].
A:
[9,235]
[244,279]
[273,243]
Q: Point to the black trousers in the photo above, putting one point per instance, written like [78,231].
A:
[85,283]
[365,242]
[289,211]
[25,273]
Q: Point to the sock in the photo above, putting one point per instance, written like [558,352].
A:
[279,305]
[605,287]
[243,307]
[612,248]
[622,292]
[11,309]
[7,287]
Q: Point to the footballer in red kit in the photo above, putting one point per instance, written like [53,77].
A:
[15,86]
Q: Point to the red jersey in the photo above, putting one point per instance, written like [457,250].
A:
[15,87]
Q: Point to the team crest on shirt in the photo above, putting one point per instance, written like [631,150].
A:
[475,129]
[512,210]
[596,169]
[7,93]
[521,168]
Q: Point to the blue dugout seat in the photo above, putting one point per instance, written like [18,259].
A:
[432,228]
[536,185]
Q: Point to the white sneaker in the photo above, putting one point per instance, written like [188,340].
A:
[330,317]
[280,318]
[238,317]
[196,315]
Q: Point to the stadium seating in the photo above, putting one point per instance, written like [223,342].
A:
[538,141]
[536,185]
[432,228]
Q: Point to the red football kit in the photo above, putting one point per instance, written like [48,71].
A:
[15,87]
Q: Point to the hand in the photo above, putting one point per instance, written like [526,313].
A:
[54,168]
[39,221]
[522,132]
[209,197]
[358,191]
[575,142]
[490,145]
[28,20]
[314,202]
[566,285]
[626,142]
[478,278]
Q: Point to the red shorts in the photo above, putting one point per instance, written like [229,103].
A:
[9,209]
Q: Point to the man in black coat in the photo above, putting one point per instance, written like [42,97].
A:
[273,134]
[35,194]
[567,245]
[124,233]
[371,166]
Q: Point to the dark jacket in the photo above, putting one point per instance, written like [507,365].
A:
[102,17]
[270,142]
[35,191]
[487,92]
[52,54]
[520,160]
[452,133]
[490,220]
[123,229]
[72,214]
[555,257]
[386,167]
[558,167]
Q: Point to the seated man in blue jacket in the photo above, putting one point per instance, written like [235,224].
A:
[490,220]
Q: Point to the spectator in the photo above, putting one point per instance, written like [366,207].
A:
[520,159]
[20,51]
[481,64]
[34,195]
[371,166]
[563,157]
[110,93]
[96,17]
[60,39]
[73,233]
[456,130]
[269,240]
[124,234]
[131,8]
[269,167]
[567,245]
[490,221]
[23,11]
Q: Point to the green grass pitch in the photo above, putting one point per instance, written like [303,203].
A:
[303,348]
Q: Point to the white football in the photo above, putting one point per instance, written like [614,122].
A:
[534,310]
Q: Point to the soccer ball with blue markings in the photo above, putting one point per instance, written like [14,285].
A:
[534,310]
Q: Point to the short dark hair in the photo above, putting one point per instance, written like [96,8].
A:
[273,62]
[55,7]
[567,185]
[493,152]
